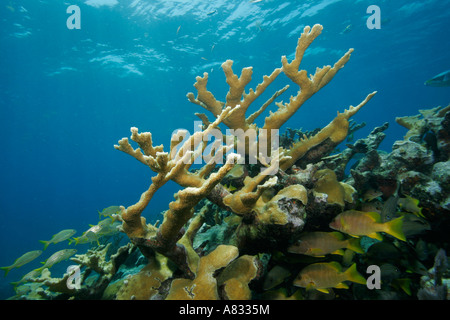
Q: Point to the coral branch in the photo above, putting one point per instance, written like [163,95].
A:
[308,86]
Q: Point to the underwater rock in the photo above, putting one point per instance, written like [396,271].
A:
[411,156]
[434,120]
[275,224]
[435,285]
[368,145]
[441,173]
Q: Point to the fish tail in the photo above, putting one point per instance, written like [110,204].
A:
[353,275]
[355,245]
[39,269]
[395,228]
[45,243]
[7,269]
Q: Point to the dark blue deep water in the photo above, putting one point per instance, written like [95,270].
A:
[68,95]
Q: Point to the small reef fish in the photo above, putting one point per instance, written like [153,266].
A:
[319,244]
[347,29]
[389,209]
[81,240]
[324,275]
[382,252]
[26,278]
[109,211]
[57,257]
[210,13]
[414,225]
[178,30]
[359,223]
[411,205]
[275,276]
[59,237]
[441,80]
[105,227]
[24,259]
[371,194]
[255,1]
[230,187]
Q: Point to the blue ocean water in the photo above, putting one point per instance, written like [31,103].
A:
[68,95]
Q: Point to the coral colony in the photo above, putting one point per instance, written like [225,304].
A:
[259,219]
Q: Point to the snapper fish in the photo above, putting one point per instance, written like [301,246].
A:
[59,237]
[372,194]
[359,223]
[440,80]
[325,275]
[57,257]
[26,278]
[275,276]
[411,204]
[105,227]
[24,259]
[109,211]
[319,244]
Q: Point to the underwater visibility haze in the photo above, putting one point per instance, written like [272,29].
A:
[361,102]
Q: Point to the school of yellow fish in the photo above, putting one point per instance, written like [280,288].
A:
[350,226]
[106,227]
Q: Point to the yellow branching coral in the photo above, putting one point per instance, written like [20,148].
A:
[172,166]
[237,96]
[283,212]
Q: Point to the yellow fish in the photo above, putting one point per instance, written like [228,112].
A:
[325,275]
[359,223]
[24,259]
[229,187]
[275,277]
[60,236]
[110,211]
[371,194]
[57,257]
[411,205]
[319,244]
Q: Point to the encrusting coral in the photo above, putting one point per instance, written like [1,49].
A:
[261,218]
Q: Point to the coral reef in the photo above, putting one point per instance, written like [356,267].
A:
[258,218]
[263,199]
[260,222]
